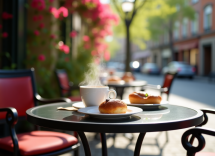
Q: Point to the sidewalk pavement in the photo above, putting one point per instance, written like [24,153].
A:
[154,143]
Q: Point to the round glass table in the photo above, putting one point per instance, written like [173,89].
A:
[164,118]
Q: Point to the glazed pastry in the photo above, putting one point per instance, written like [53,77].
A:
[113,106]
[144,98]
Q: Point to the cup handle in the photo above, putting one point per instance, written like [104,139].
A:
[112,91]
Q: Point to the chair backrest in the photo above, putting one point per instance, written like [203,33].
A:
[63,82]
[168,80]
[18,90]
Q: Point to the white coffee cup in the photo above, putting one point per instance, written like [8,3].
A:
[95,95]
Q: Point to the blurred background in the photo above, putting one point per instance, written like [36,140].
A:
[149,37]
[146,37]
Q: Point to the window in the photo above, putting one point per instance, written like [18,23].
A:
[195,1]
[184,27]
[176,31]
[208,17]
[195,24]
[166,38]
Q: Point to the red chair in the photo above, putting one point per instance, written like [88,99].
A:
[65,85]
[197,133]
[167,84]
[17,94]
[164,89]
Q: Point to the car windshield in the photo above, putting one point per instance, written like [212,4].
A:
[181,64]
[150,65]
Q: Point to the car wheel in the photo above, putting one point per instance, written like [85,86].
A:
[191,77]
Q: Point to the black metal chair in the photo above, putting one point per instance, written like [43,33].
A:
[164,89]
[17,94]
[197,133]
[65,85]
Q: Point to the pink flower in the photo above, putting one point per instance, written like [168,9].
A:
[36,33]
[73,34]
[0,26]
[50,9]
[85,1]
[41,57]
[40,17]
[64,48]
[38,4]
[35,18]
[6,15]
[41,25]
[52,36]
[96,61]
[107,55]
[86,38]
[94,53]
[54,11]
[87,46]
[4,34]
[63,11]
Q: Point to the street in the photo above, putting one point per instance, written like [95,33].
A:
[196,93]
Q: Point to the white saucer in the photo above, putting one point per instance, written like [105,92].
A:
[145,106]
[78,105]
[94,112]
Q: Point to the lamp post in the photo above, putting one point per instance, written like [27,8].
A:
[130,8]
[127,6]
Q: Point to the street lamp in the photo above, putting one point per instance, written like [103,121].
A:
[127,6]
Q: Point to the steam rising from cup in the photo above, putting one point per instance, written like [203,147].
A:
[92,76]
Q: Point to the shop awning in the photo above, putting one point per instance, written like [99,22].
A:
[141,54]
[187,46]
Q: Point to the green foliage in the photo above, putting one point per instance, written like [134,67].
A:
[75,67]
[153,19]
[164,15]
[138,31]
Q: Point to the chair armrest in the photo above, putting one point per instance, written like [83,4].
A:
[45,101]
[156,87]
[12,118]
[12,115]
[205,111]
[197,133]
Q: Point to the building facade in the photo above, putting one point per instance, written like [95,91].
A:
[194,41]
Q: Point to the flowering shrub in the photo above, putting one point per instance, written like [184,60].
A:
[98,19]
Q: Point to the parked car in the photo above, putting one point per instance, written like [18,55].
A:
[150,68]
[183,69]
[135,66]
[117,66]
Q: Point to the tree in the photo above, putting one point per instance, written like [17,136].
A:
[127,19]
[163,19]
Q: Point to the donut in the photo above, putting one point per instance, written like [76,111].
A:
[113,106]
[144,98]
[128,77]
[114,79]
